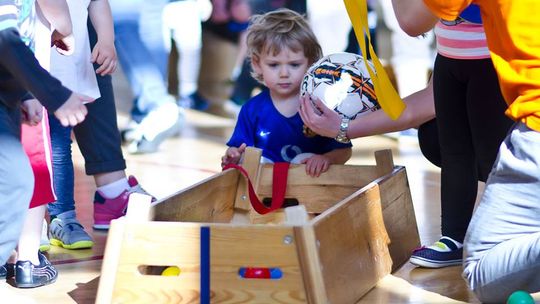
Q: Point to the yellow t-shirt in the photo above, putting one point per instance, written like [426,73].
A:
[513,35]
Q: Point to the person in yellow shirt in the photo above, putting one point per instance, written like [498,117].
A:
[502,244]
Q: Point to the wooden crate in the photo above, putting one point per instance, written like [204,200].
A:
[361,226]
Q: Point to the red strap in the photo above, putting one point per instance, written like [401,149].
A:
[279,186]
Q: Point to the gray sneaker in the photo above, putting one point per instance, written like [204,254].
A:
[67,232]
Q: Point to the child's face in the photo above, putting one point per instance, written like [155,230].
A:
[282,73]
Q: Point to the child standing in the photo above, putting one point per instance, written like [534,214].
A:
[21,72]
[502,244]
[77,73]
[471,125]
[281,47]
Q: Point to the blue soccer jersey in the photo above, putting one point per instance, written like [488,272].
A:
[281,138]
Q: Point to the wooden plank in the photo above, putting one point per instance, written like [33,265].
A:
[210,200]
[251,163]
[111,262]
[339,175]
[316,198]
[385,162]
[399,216]
[274,217]
[353,248]
[231,247]
[158,244]
[255,246]
[317,194]
[307,246]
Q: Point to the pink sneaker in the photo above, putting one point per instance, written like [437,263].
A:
[107,209]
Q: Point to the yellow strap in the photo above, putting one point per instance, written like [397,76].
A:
[387,96]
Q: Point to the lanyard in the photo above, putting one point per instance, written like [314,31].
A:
[387,96]
[279,186]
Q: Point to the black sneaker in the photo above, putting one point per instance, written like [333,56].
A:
[28,275]
[448,255]
[7,271]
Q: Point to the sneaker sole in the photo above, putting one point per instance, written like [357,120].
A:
[433,264]
[44,248]
[101,226]
[30,285]
[76,245]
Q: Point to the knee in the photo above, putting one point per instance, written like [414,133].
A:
[485,292]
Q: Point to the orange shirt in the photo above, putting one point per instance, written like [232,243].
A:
[513,34]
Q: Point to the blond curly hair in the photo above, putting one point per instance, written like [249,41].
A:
[273,31]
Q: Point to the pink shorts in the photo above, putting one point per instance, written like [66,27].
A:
[36,141]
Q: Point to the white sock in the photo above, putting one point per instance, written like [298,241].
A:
[114,189]
[442,247]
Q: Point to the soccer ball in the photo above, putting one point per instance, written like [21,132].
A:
[342,82]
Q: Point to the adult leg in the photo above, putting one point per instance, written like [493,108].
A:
[502,245]
[142,71]
[182,22]
[151,23]
[155,114]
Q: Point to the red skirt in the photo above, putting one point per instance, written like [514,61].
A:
[36,141]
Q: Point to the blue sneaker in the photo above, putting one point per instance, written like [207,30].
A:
[445,252]
[67,232]
[28,275]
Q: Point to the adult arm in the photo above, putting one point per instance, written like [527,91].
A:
[414,17]
[420,108]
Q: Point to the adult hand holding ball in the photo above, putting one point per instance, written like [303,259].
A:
[341,81]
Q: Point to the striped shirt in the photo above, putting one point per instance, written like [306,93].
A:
[8,14]
[20,15]
[463,40]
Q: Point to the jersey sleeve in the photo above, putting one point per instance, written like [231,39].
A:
[447,9]
[245,126]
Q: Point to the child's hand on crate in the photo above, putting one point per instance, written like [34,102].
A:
[233,155]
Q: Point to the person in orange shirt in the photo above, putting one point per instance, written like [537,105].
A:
[502,244]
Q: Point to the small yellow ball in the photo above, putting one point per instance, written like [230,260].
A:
[171,271]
